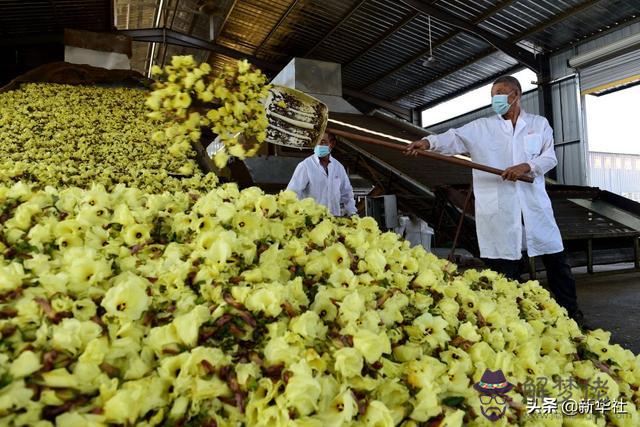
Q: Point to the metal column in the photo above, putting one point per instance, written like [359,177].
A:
[545,102]
[416,116]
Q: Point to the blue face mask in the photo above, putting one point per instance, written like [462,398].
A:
[500,104]
[322,150]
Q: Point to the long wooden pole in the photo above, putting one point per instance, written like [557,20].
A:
[430,154]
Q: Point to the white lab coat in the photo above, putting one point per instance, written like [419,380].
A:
[501,206]
[331,189]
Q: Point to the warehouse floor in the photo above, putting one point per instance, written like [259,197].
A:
[610,299]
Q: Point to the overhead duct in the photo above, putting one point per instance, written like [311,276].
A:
[104,50]
[320,79]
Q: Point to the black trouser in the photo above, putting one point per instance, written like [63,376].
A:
[559,277]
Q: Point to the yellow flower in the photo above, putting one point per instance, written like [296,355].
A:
[481,352]
[338,256]
[392,393]
[124,406]
[376,261]
[352,307]
[341,410]
[316,264]
[321,232]
[266,299]
[468,332]
[72,335]
[161,337]
[343,278]
[60,378]
[378,415]
[27,363]
[122,215]
[187,325]
[278,350]
[308,325]
[584,369]
[127,299]
[135,234]
[302,393]
[324,307]
[429,329]
[22,216]
[75,419]
[243,66]
[11,276]
[85,272]
[221,92]
[183,61]
[371,345]
[426,405]
[349,362]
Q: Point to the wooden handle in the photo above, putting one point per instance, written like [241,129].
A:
[430,154]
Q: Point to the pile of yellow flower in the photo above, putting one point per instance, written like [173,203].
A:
[239,308]
[63,135]
[188,97]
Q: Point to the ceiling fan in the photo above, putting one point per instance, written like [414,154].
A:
[430,60]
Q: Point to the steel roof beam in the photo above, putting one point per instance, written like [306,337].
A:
[165,35]
[227,15]
[523,56]
[497,8]
[275,27]
[391,31]
[542,26]
[558,18]
[348,15]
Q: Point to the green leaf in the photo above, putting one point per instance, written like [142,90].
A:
[585,354]
[453,401]
[5,380]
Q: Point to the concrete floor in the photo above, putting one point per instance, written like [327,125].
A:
[610,299]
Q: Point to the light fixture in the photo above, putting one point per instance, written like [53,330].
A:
[431,60]
[609,51]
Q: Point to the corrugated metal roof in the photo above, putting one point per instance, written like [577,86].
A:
[468,10]
[485,68]
[372,19]
[392,70]
[600,17]
[381,43]
[25,17]
[399,48]
[448,56]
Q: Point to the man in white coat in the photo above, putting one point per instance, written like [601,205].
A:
[324,179]
[521,144]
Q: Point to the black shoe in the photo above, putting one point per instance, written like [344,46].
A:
[578,316]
